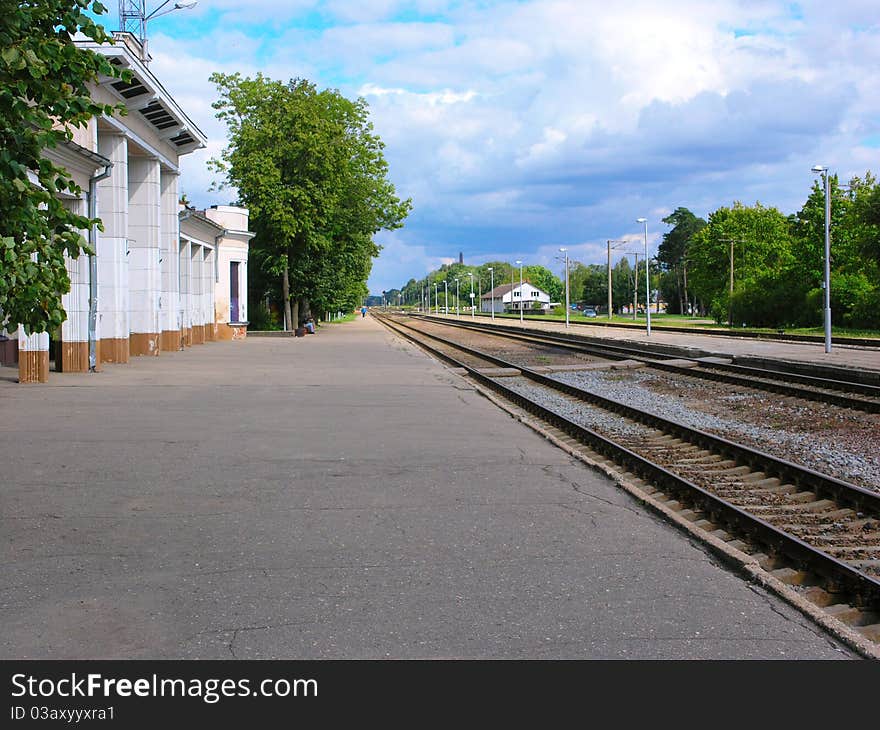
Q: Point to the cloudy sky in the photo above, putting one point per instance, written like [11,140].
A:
[520,126]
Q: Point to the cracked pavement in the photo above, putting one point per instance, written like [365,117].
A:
[337,496]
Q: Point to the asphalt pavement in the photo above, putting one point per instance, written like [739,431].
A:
[340,495]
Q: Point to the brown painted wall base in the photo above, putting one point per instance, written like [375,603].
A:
[114,350]
[226,331]
[33,366]
[198,334]
[210,332]
[72,357]
[170,340]
[187,336]
[144,343]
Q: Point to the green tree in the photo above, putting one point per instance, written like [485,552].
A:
[546,280]
[44,93]
[854,262]
[763,249]
[309,167]
[594,290]
[672,257]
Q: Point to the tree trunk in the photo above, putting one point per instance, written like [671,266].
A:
[295,313]
[285,293]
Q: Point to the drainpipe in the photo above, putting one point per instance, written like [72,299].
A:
[93,267]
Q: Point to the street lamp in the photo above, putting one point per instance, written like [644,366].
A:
[471,274]
[519,263]
[647,278]
[456,297]
[565,251]
[445,297]
[133,18]
[491,290]
[436,300]
[823,171]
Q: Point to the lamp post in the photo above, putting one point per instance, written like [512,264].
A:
[519,263]
[456,297]
[471,274]
[446,297]
[647,279]
[436,300]
[511,290]
[567,308]
[823,171]
[491,290]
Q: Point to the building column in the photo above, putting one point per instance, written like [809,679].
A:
[112,252]
[170,304]
[33,357]
[185,294]
[144,230]
[72,348]
[209,280]
[198,297]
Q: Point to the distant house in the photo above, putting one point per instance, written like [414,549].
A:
[513,297]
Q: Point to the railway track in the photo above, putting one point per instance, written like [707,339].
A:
[818,535]
[855,342]
[822,390]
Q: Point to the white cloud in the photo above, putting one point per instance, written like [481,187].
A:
[521,126]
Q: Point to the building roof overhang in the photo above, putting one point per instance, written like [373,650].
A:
[145,96]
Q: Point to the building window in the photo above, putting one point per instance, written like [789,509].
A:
[516,294]
[535,294]
[234,290]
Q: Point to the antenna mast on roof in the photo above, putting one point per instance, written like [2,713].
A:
[133,18]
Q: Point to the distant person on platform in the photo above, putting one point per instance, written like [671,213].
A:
[310,325]
[363,312]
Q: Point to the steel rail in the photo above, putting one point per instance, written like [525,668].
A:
[866,342]
[863,588]
[706,371]
[850,494]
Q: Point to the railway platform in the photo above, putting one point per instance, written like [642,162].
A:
[338,496]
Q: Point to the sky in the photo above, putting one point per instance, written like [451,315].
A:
[521,126]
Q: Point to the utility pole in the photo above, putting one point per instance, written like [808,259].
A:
[617,242]
[731,241]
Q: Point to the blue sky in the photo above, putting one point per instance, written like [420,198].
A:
[518,127]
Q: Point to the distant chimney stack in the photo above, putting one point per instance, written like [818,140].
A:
[460,257]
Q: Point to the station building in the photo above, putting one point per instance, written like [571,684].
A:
[515,297]
[164,276]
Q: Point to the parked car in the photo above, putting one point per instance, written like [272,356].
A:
[590,312]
